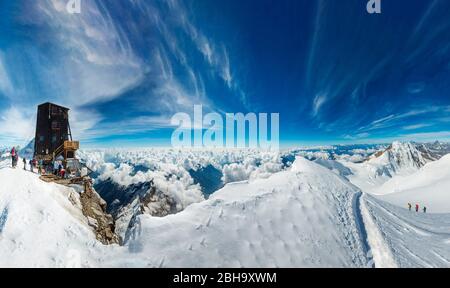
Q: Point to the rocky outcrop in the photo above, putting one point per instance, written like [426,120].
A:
[94,208]
[127,203]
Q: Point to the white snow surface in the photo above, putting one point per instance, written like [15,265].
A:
[430,187]
[39,226]
[298,218]
[413,239]
[302,217]
[398,159]
[309,215]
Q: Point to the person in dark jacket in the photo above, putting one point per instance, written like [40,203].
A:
[424,209]
[24,164]
[409,206]
[13,157]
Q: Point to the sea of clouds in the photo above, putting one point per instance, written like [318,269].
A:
[170,169]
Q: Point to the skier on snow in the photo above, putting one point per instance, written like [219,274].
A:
[417,207]
[409,206]
[424,209]
[24,164]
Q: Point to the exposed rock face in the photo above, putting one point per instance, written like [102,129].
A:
[434,151]
[126,203]
[397,158]
[156,203]
[94,208]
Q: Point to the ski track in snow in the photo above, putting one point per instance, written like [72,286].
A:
[363,233]
[382,254]
[3,219]
[415,239]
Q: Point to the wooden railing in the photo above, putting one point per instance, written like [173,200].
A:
[66,146]
[71,145]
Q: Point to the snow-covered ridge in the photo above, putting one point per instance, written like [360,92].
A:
[181,176]
[301,217]
[42,224]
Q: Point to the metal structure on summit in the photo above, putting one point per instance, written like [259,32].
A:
[53,142]
[55,151]
[53,135]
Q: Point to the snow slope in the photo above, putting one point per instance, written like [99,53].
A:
[304,217]
[40,226]
[412,239]
[430,186]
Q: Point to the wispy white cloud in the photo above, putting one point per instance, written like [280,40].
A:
[427,136]
[96,61]
[395,119]
[215,54]
[16,125]
[318,102]
[417,87]
[357,136]
[417,126]
[5,83]
[83,122]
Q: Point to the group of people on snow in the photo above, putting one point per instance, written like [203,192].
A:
[424,209]
[57,165]
[33,164]
[15,159]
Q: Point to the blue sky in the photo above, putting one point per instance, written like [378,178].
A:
[334,73]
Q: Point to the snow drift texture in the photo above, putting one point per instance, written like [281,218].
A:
[301,217]
[286,211]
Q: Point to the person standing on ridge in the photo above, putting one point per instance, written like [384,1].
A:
[34,164]
[424,209]
[24,164]
[417,207]
[13,156]
[55,168]
[409,206]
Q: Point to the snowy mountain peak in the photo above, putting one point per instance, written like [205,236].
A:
[28,151]
[400,155]
[303,165]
